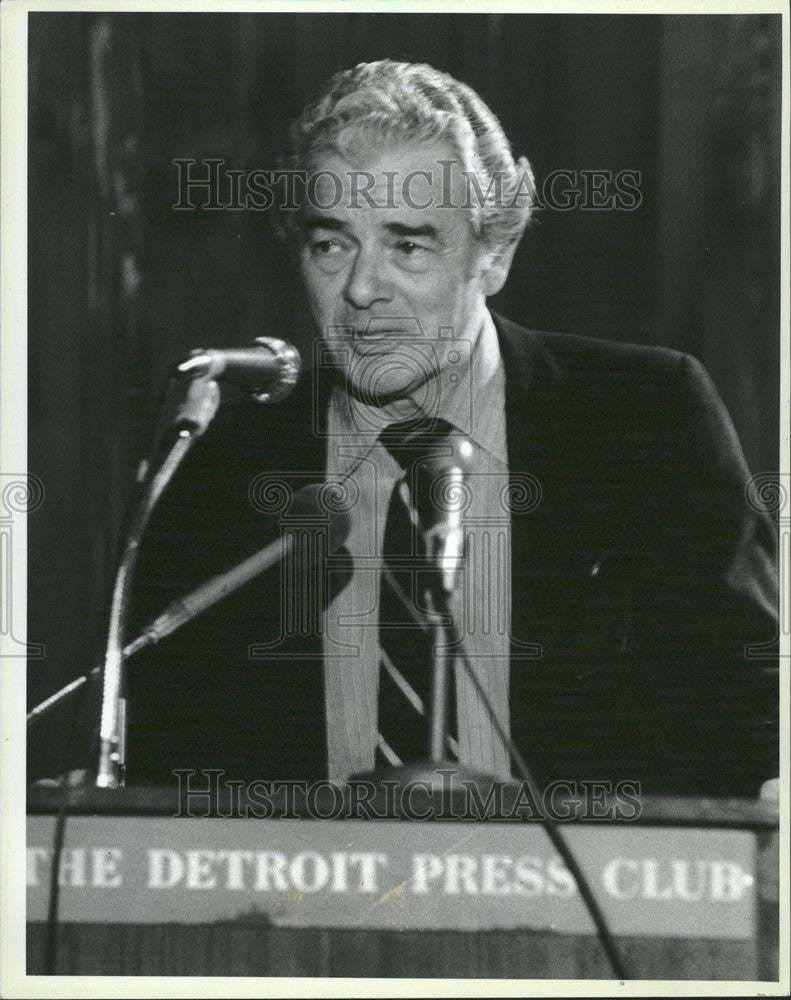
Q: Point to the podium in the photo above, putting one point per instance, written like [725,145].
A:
[688,886]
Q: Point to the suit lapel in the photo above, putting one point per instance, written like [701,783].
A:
[531,395]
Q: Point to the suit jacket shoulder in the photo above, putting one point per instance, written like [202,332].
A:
[641,570]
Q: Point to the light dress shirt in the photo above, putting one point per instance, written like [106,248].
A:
[469,393]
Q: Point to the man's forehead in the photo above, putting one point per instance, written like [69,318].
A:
[412,180]
[394,223]
[431,224]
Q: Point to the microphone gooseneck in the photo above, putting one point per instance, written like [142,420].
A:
[307,507]
[306,510]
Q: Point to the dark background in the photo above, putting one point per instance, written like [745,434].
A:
[120,285]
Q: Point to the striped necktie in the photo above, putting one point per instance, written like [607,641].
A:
[405,635]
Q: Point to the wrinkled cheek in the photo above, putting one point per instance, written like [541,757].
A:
[321,307]
[336,355]
[326,302]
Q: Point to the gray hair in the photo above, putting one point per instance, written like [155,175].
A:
[414,102]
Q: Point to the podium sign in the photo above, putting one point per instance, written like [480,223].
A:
[388,875]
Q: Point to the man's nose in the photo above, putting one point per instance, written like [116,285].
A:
[367,282]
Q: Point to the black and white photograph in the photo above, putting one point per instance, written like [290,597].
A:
[395,498]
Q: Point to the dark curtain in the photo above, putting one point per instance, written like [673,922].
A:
[121,285]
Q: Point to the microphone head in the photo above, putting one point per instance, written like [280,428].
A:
[440,495]
[289,365]
[269,367]
[311,506]
[438,478]
[453,451]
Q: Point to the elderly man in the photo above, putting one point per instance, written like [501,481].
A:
[615,577]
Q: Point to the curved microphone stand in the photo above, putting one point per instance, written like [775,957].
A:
[196,413]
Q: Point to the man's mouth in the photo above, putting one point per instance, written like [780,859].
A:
[368,337]
[376,339]
[379,344]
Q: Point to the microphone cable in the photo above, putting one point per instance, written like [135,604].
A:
[553,830]
[52,933]
[554,833]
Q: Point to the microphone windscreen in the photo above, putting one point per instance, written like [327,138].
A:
[312,504]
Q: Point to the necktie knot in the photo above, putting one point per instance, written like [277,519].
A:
[411,443]
[434,460]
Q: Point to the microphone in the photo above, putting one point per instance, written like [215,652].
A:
[442,501]
[269,367]
[307,508]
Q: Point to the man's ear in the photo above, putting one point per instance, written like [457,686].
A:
[496,265]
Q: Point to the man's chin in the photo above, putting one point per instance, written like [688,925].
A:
[383,391]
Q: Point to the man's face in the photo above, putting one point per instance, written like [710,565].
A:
[387,277]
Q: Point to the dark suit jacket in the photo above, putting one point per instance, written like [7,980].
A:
[642,574]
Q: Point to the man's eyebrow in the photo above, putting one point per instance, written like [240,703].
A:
[313,222]
[399,229]
[310,223]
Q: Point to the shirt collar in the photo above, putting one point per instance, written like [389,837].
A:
[464,399]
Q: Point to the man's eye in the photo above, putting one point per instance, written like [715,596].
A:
[411,256]
[329,256]
[326,247]
[408,247]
